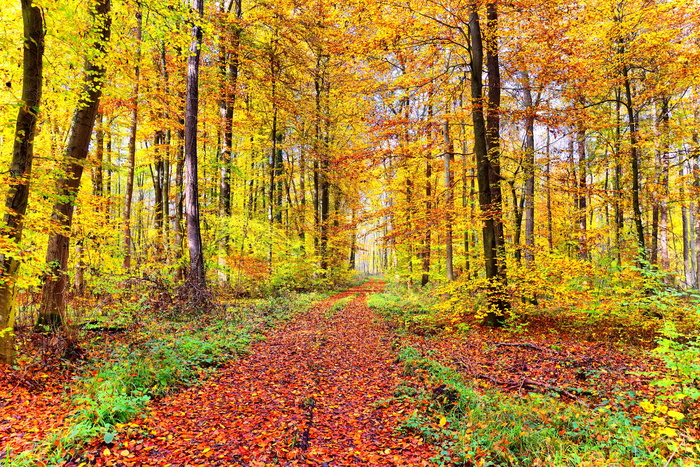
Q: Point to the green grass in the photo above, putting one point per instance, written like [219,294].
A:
[490,428]
[409,310]
[339,305]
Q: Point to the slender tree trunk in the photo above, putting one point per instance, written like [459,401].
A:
[663,186]
[467,200]
[529,170]
[634,155]
[132,144]
[694,241]
[108,174]
[178,228]
[449,200]
[52,308]
[582,189]
[548,178]
[161,179]
[158,177]
[229,65]
[687,267]
[20,170]
[617,180]
[425,278]
[97,179]
[196,277]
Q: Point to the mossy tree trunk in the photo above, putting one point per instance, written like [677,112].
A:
[20,170]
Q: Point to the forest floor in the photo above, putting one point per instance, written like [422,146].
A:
[320,391]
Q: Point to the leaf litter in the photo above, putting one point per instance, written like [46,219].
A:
[316,392]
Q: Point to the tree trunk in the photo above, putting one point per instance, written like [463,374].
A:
[52,308]
[486,149]
[634,156]
[449,200]
[581,192]
[548,177]
[196,277]
[425,278]
[97,179]
[617,180]
[128,198]
[529,170]
[663,186]
[178,228]
[20,170]
[229,65]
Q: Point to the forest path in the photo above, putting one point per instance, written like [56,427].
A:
[313,393]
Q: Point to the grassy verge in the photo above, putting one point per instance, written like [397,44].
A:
[157,357]
[409,311]
[339,305]
[490,428]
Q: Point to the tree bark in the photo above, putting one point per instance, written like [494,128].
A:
[449,200]
[529,170]
[634,156]
[52,308]
[486,149]
[663,186]
[425,278]
[196,276]
[129,195]
[581,192]
[97,178]
[229,65]
[20,170]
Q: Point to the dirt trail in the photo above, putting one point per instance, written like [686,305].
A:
[313,393]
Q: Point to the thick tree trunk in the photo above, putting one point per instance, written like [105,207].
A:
[128,198]
[486,149]
[196,277]
[20,170]
[52,308]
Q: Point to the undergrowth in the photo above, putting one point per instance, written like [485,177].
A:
[339,305]
[160,356]
[490,428]
[409,310]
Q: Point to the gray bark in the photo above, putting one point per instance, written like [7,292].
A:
[196,277]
